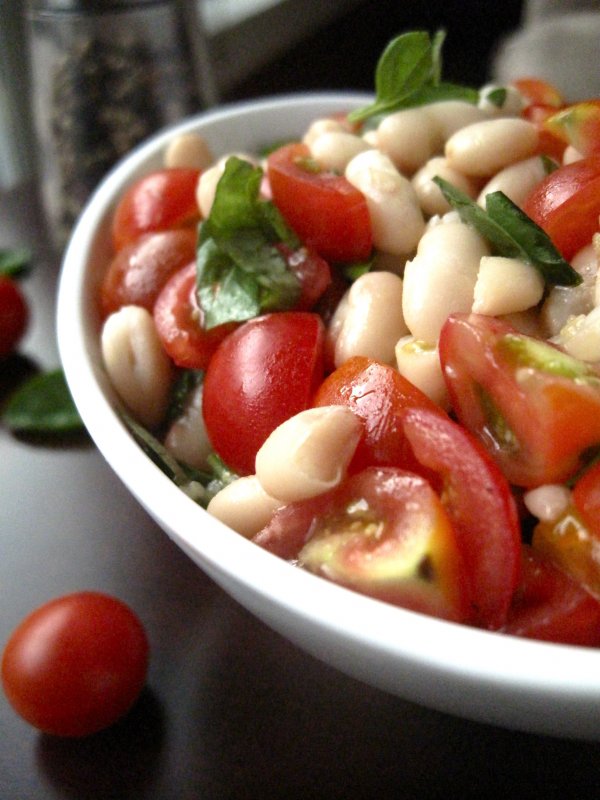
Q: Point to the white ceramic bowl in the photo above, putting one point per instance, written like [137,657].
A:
[489,677]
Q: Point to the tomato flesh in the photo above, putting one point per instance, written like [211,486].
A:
[163,200]
[481,507]
[179,322]
[535,422]
[566,204]
[578,125]
[548,605]
[140,269]
[14,316]
[260,375]
[76,664]
[377,393]
[326,211]
[383,533]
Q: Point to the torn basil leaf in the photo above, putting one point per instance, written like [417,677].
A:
[511,233]
[409,74]
[241,273]
[14,262]
[43,405]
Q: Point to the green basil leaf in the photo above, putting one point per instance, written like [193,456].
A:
[15,262]
[186,381]
[442,91]
[511,233]
[436,55]
[43,405]
[235,202]
[497,96]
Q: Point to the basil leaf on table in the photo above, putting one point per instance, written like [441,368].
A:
[240,271]
[42,405]
[409,74]
[511,233]
[14,262]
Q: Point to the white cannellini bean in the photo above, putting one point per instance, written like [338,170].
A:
[420,364]
[516,180]
[138,367]
[512,100]
[505,286]
[409,137]
[441,278]
[334,149]
[547,502]
[430,196]
[484,148]
[581,336]
[396,218]
[563,302]
[187,439]
[207,183]
[320,126]
[370,321]
[371,138]
[188,150]
[244,506]
[451,115]
[309,453]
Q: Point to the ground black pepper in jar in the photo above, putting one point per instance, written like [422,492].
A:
[105,75]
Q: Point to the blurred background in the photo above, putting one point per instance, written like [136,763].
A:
[247,48]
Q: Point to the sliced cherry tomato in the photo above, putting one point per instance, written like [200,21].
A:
[535,408]
[537,91]
[139,270]
[384,533]
[377,393]
[481,507]
[550,606]
[324,209]
[313,272]
[14,315]
[163,200]
[577,125]
[178,319]
[586,498]
[76,664]
[566,204]
[548,143]
[260,375]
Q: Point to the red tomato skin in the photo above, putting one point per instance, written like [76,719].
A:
[553,419]
[326,211]
[548,143]
[178,320]
[550,606]
[586,498]
[163,200]
[313,272]
[566,205]
[140,269]
[260,375]
[377,393]
[480,504]
[537,91]
[406,509]
[76,664]
[14,316]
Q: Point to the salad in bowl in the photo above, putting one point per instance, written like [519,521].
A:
[344,349]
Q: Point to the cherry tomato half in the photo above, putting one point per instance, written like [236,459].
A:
[326,211]
[260,375]
[178,319]
[163,200]
[14,316]
[566,204]
[481,508]
[384,533]
[76,664]
[139,270]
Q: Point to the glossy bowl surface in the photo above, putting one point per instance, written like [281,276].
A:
[492,678]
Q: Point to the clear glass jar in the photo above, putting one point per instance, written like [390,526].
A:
[105,75]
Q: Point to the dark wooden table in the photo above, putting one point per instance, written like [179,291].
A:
[231,710]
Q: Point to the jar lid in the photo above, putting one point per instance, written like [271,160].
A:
[87,6]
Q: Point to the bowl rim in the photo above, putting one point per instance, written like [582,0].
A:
[538,672]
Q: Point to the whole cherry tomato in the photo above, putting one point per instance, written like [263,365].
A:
[76,664]
[14,315]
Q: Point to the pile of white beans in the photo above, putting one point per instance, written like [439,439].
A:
[428,265]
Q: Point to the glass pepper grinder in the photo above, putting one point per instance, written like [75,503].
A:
[105,75]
